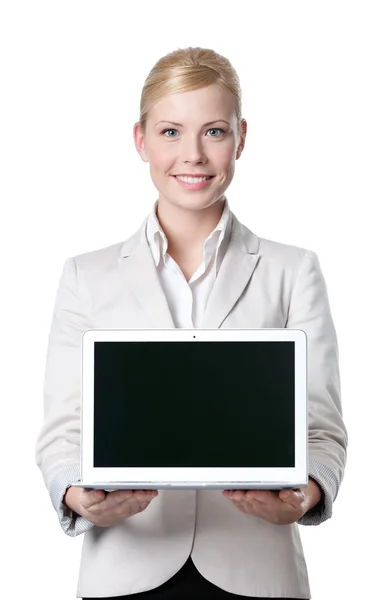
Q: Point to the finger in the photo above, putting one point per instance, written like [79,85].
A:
[146,496]
[240,505]
[139,495]
[267,502]
[90,497]
[121,498]
[117,497]
[292,497]
[263,496]
[237,494]
[251,508]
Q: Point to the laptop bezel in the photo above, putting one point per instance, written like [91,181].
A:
[217,477]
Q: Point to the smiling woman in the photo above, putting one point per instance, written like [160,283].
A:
[192,264]
[193,156]
[191,133]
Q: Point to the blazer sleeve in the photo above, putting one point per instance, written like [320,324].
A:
[57,450]
[327,440]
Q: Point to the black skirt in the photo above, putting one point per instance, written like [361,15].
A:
[187,583]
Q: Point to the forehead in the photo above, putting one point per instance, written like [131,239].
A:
[204,104]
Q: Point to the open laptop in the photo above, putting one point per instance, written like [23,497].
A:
[194,409]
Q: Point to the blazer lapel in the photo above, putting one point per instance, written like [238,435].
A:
[234,274]
[140,274]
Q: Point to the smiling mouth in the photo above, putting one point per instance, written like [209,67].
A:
[194,176]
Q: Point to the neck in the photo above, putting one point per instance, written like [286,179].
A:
[187,230]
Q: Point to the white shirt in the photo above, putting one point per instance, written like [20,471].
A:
[187,300]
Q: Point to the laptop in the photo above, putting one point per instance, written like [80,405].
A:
[194,409]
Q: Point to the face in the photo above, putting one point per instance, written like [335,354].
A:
[192,132]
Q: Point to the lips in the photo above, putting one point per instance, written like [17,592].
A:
[200,185]
[208,176]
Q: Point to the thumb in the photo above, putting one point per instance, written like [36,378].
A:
[93,496]
[291,497]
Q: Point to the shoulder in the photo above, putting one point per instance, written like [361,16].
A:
[100,258]
[271,251]
[286,255]
[106,259]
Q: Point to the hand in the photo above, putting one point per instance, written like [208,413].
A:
[107,509]
[284,507]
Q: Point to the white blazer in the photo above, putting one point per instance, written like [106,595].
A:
[261,284]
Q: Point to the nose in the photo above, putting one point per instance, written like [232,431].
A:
[192,150]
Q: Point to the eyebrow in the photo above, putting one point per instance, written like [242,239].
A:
[180,125]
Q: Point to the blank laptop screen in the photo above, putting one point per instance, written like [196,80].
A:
[194,404]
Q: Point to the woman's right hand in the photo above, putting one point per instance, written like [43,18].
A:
[107,509]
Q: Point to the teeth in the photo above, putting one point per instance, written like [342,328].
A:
[192,179]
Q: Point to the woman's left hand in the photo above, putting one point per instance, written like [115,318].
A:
[284,507]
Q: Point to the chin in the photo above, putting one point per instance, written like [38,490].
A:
[190,203]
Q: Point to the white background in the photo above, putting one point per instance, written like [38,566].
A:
[72,182]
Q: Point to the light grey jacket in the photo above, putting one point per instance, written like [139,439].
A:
[261,284]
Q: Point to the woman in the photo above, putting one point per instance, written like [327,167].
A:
[191,254]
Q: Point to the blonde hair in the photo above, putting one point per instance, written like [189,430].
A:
[189,69]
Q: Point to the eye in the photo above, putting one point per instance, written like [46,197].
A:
[212,129]
[165,130]
[216,129]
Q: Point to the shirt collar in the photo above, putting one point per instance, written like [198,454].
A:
[158,241]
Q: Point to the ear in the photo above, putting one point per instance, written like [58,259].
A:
[139,139]
[242,138]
